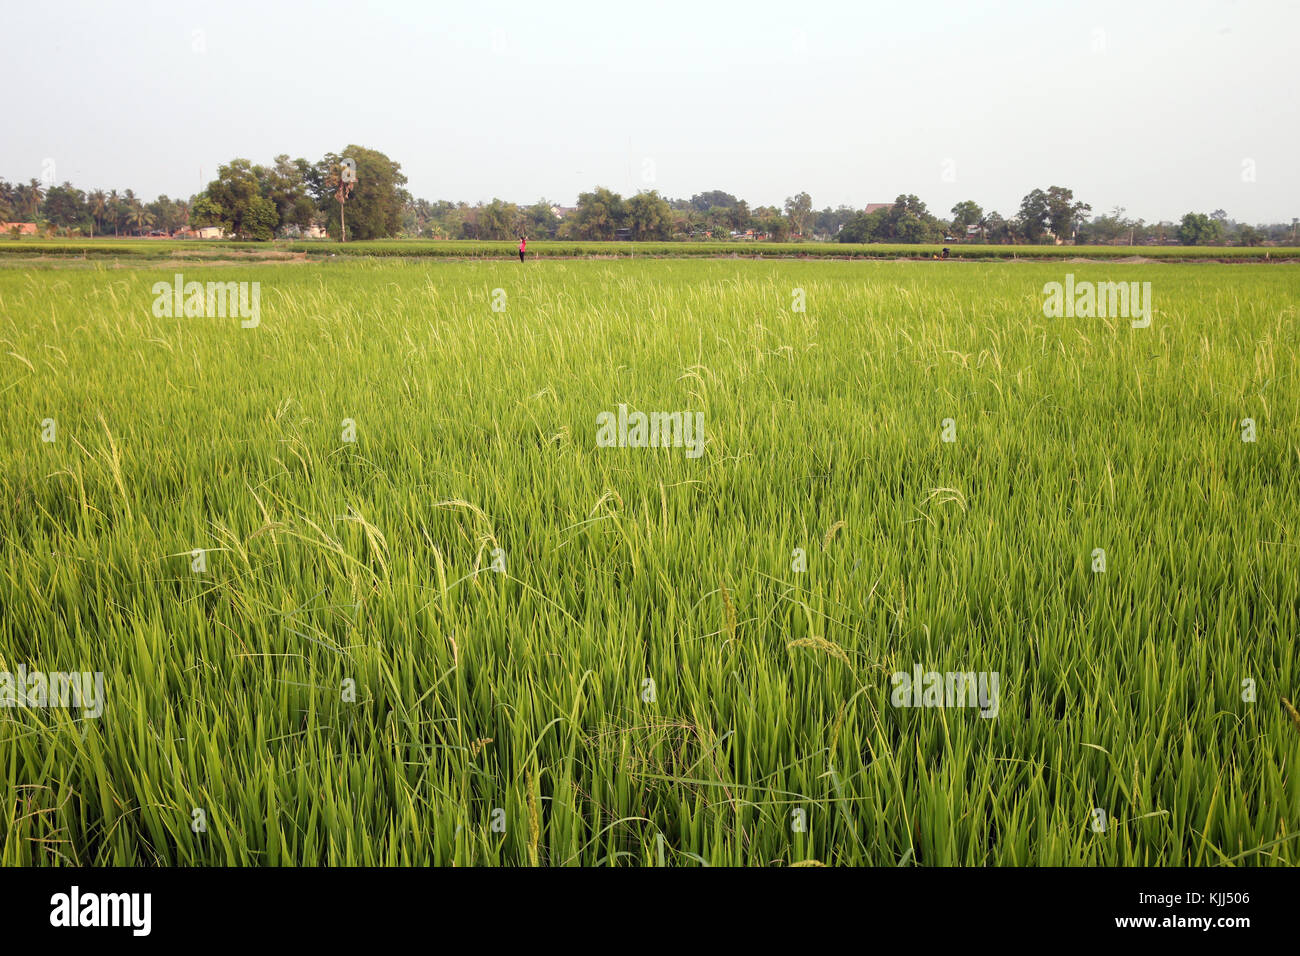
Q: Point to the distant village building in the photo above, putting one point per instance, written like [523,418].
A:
[296,232]
[19,228]
[873,206]
[201,232]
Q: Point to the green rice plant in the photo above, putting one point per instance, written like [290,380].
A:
[365,588]
[213,249]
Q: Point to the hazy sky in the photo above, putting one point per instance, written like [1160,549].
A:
[1160,107]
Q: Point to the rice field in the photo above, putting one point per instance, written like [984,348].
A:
[366,585]
[214,249]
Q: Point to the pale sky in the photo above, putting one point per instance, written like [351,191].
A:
[1160,107]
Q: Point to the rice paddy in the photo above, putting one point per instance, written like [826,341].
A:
[134,250]
[364,587]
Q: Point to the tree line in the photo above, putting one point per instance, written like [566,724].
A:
[246,200]
[358,193]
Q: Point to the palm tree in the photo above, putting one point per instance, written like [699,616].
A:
[140,216]
[342,179]
[98,203]
[114,209]
[21,201]
[8,201]
[35,195]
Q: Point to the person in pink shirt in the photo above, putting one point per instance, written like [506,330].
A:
[523,244]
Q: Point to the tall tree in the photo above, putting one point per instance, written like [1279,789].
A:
[244,210]
[35,196]
[285,185]
[539,219]
[140,217]
[98,204]
[1063,212]
[1032,218]
[499,220]
[703,202]
[648,216]
[341,179]
[65,206]
[600,214]
[965,214]
[798,209]
[1198,229]
[377,200]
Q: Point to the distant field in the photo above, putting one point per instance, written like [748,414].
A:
[497,592]
[468,249]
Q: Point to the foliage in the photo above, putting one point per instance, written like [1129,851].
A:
[350,681]
[1198,229]
[374,210]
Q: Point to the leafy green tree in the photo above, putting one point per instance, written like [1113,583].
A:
[776,225]
[965,214]
[499,220]
[906,220]
[798,209]
[739,217]
[648,216]
[244,210]
[830,221]
[206,212]
[703,202]
[374,209]
[1109,228]
[998,229]
[717,222]
[1198,229]
[1063,212]
[448,220]
[261,219]
[169,214]
[539,221]
[600,214]
[65,206]
[910,221]
[867,227]
[285,185]
[1032,218]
